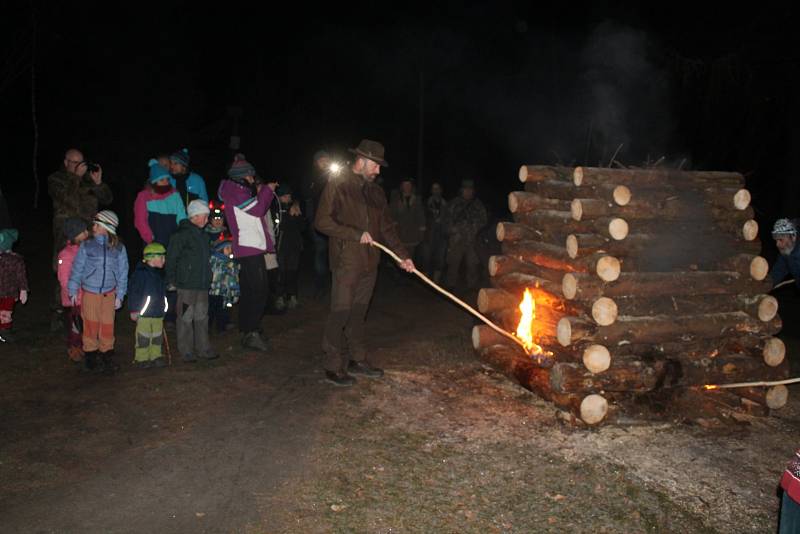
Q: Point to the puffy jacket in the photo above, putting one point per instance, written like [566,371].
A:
[65,260]
[99,268]
[194,185]
[188,258]
[148,294]
[156,216]
[244,214]
[786,265]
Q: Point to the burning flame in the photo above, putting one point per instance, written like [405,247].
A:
[711,387]
[526,323]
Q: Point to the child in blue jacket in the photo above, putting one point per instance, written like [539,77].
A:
[100,269]
[147,301]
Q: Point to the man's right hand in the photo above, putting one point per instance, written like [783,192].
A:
[366,239]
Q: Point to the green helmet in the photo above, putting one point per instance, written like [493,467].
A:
[154,249]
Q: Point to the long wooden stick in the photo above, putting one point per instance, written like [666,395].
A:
[452,297]
[784,283]
[755,384]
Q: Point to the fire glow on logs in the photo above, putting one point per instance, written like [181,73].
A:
[526,326]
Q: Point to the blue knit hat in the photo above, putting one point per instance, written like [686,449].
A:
[7,238]
[181,156]
[157,172]
[241,168]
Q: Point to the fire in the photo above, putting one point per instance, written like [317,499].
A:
[525,328]
[711,387]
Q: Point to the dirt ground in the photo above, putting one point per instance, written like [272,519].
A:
[259,443]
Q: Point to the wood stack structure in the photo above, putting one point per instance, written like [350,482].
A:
[646,281]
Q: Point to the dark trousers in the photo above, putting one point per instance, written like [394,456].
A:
[321,272]
[790,516]
[218,315]
[288,283]
[255,292]
[344,337]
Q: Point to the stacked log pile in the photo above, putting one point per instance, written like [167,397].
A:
[644,280]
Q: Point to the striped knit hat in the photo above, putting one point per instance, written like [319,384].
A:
[108,220]
[181,156]
[240,168]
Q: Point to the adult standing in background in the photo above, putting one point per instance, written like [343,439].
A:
[190,185]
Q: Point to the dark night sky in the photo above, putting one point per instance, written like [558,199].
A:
[504,84]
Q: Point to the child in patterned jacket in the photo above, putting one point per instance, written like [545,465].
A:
[224,292]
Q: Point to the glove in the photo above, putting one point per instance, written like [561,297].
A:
[73,299]
[134,316]
[23,296]
[117,303]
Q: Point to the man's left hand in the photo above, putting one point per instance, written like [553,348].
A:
[97,176]
[407,265]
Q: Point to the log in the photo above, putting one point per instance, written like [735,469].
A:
[516,283]
[519,201]
[596,358]
[502,265]
[594,409]
[555,258]
[583,286]
[492,300]
[512,232]
[673,209]
[604,311]
[558,224]
[729,198]
[774,351]
[583,244]
[737,229]
[654,177]
[538,173]
[631,376]
[773,398]
[762,307]
[661,328]
[484,337]
[618,194]
[756,266]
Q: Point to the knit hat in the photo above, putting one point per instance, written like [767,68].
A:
[181,156]
[157,172]
[108,220]
[72,227]
[223,241]
[197,207]
[153,250]
[7,238]
[241,168]
[283,189]
[783,227]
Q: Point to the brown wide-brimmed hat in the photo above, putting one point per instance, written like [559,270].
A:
[371,150]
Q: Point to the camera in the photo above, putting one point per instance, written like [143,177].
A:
[91,166]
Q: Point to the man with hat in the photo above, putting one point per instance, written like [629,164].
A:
[190,185]
[408,211]
[352,212]
[784,232]
[466,216]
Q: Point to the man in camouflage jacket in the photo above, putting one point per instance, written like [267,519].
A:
[465,217]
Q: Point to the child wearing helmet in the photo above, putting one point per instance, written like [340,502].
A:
[147,300]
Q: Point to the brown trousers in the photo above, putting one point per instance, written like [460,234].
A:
[97,312]
[344,337]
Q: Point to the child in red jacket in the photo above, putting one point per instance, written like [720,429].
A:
[76,231]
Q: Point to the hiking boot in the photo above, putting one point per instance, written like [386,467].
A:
[339,379]
[292,304]
[253,340]
[109,367]
[189,357]
[158,362]
[363,368]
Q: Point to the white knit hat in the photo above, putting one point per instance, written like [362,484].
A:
[108,220]
[197,207]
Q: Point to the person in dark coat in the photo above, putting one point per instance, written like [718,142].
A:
[352,211]
[147,300]
[290,246]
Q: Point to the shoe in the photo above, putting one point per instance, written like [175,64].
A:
[209,356]
[280,304]
[339,379]
[158,362]
[253,340]
[109,367]
[363,368]
[292,304]
[146,364]
[90,360]
[189,357]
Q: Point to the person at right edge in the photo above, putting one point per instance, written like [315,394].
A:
[352,212]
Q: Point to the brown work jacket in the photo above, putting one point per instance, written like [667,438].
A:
[350,206]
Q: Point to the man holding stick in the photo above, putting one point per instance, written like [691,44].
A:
[352,211]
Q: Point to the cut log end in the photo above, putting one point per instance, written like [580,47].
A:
[492,266]
[604,311]
[569,286]
[741,200]
[500,231]
[572,246]
[767,308]
[750,230]
[596,358]
[576,209]
[483,299]
[618,229]
[577,176]
[777,396]
[608,268]
[523,174]
[564,332]
[774,351]
[622,195]
[593,409]
[476,337]
[759,268]
[513,202]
